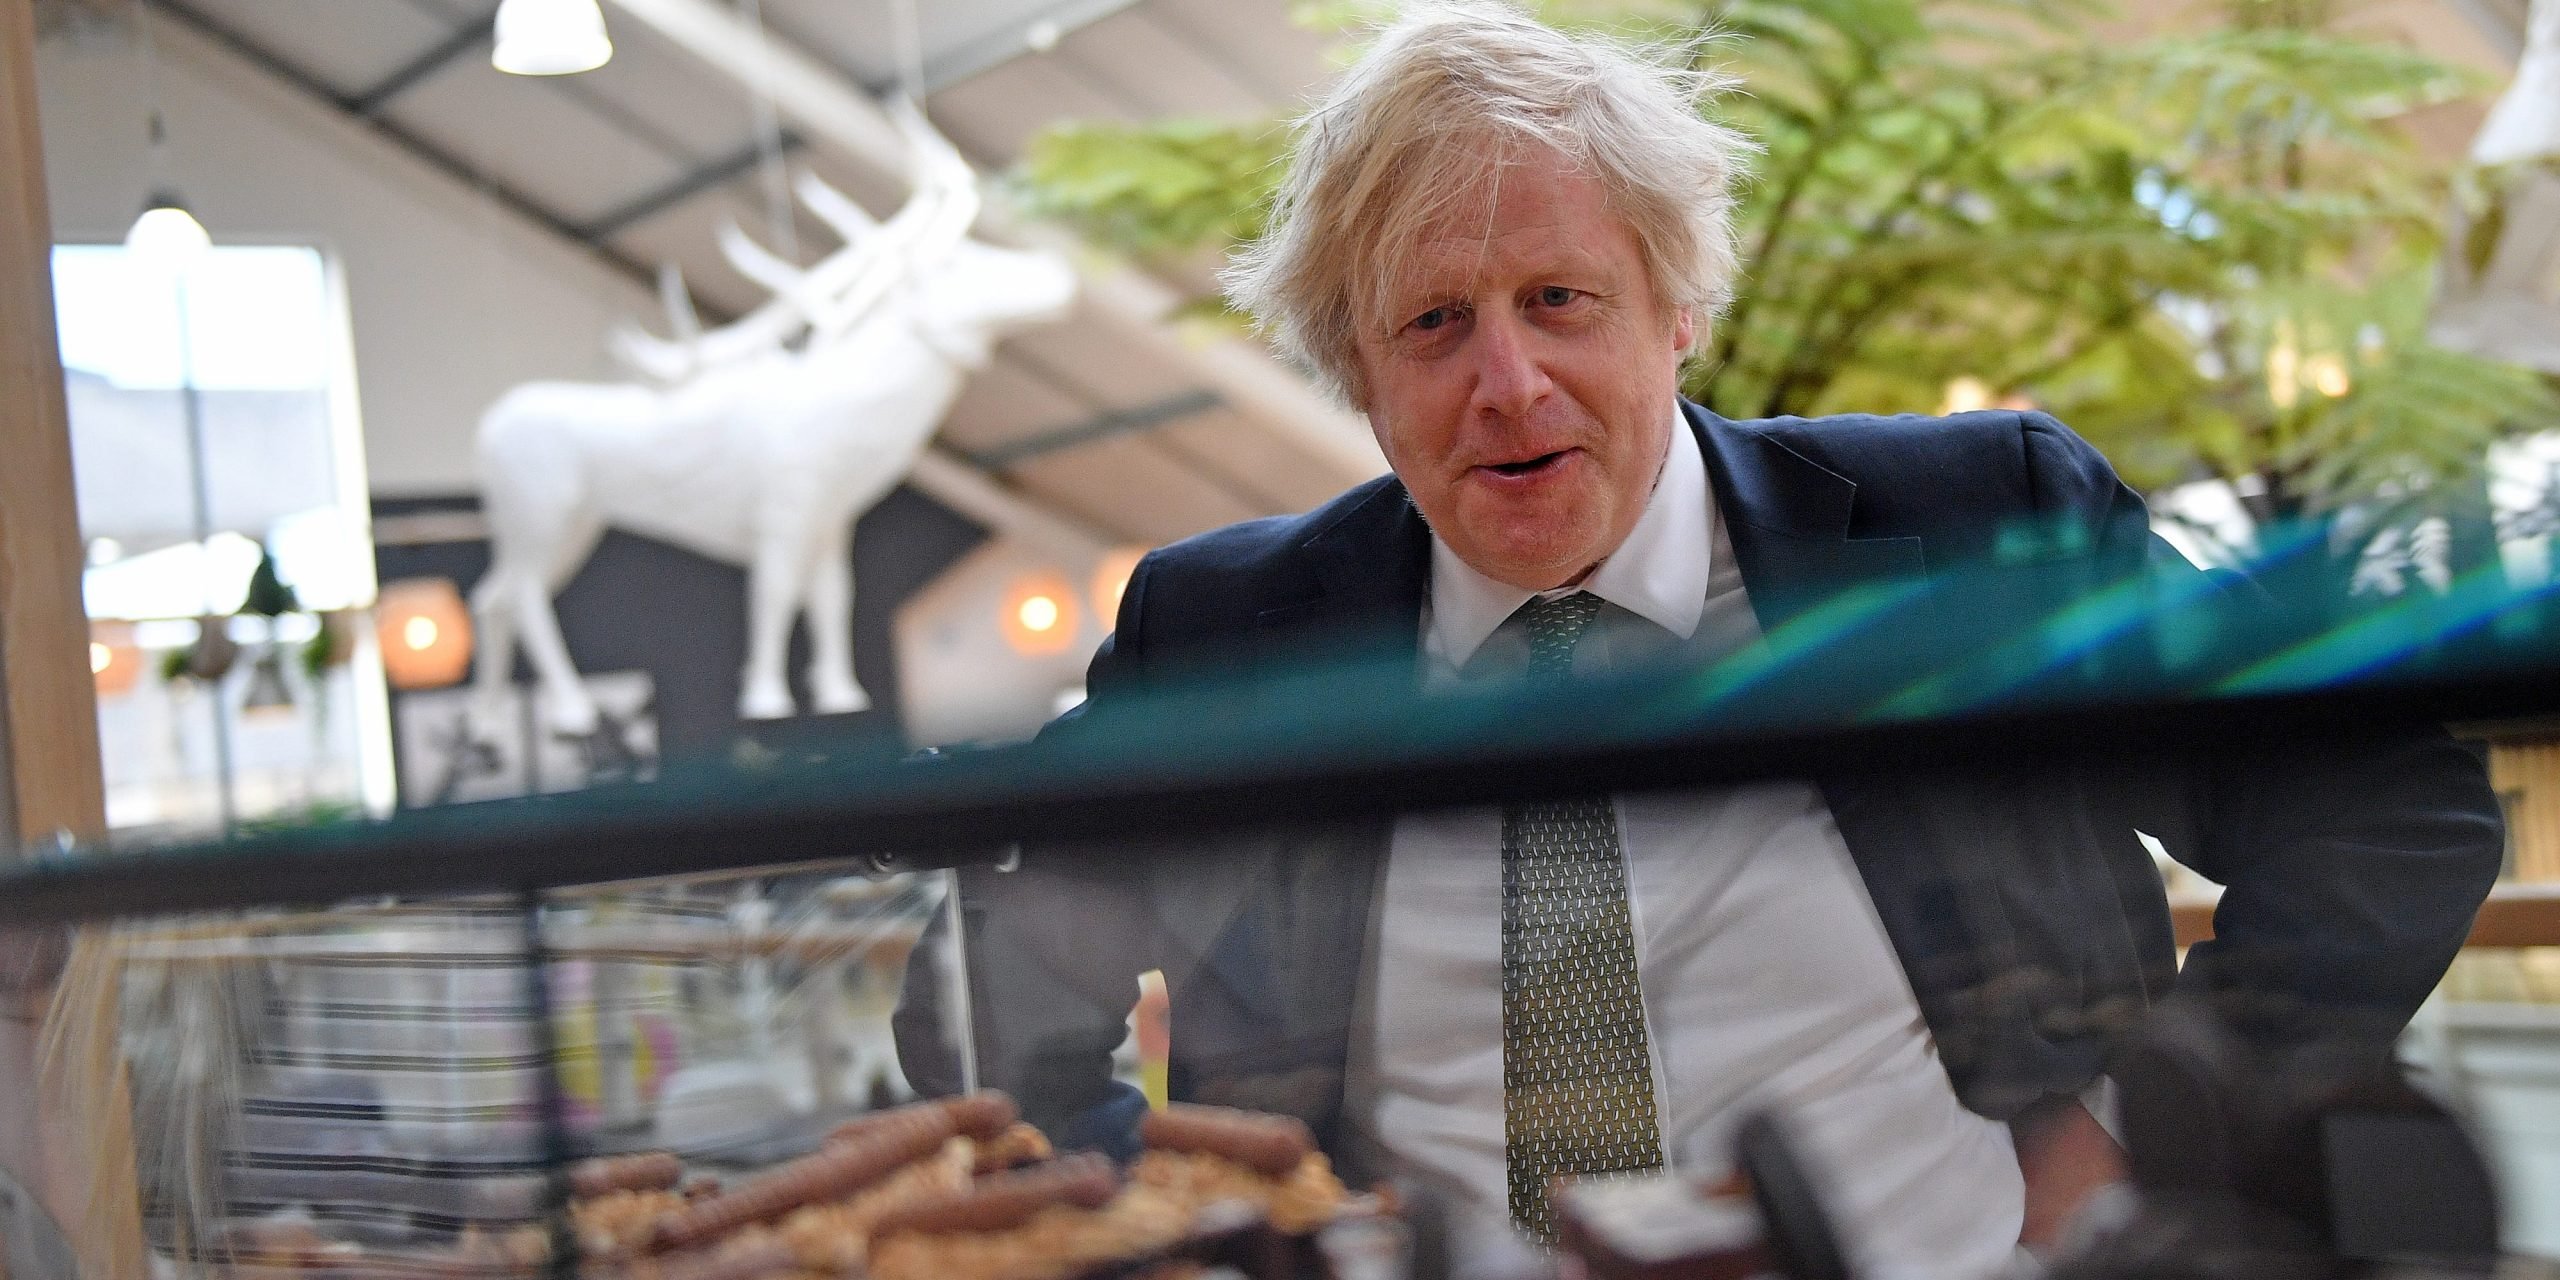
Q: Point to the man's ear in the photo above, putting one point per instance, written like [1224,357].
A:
[1684,330]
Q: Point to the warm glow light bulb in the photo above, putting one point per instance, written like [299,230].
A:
[100,657]
[1964,395]
[166,236]
[423,630]
[1111,580]
[1039,613]
[550,38]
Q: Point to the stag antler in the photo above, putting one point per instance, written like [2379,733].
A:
[756,262]
[851,222]
[682,319]
[664,361]
[841,288]
[938,167]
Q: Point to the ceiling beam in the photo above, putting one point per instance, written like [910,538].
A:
[1101,426]
[464,39]
[649,204]
[994,49]
[838,114]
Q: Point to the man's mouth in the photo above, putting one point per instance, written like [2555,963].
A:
[1524,468]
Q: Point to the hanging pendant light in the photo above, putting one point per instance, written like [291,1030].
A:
[424,631]
[1040,616]
[166,235]
[550,38]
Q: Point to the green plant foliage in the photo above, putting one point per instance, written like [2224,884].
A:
[1169,185]
[269,596]
[2122,231]
[317,813]
[321,652]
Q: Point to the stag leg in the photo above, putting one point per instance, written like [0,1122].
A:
[493,664]
[566,708]
[537,549]
[832,687]
[776,581]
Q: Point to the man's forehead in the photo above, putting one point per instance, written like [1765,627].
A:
[1499,211]
[1459,254]
[1461,258]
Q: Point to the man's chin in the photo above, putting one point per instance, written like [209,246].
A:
[1534,568]
[1531,542]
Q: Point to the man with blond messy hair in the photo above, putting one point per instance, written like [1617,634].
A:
[1499,243]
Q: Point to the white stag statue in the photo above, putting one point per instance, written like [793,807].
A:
[753,449]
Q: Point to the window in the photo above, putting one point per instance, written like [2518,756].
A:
[213,431]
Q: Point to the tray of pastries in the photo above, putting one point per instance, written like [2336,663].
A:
[962,1189]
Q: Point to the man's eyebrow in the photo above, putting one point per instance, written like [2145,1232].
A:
[1414,288]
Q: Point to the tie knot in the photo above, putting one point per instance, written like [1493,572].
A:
[1554,627]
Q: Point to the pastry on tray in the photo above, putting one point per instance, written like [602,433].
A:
[1067,1218]
[962,1189]
[1202,1155]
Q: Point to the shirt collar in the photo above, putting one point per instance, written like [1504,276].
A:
[1659,573]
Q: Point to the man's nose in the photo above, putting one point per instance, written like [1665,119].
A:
[1509,377]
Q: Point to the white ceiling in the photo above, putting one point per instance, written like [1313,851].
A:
[648,155]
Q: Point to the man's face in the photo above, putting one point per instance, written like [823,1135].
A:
[1521,381]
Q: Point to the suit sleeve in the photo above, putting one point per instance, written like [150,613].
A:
[1050,954]
[1113,678]
[2352,865]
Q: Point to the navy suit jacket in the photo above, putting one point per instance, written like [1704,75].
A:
[2026,912]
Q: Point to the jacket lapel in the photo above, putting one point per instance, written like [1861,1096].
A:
[1790,521]
[1366,573]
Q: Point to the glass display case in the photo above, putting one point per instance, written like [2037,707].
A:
[1232,977]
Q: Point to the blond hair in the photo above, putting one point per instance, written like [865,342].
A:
[1448,95]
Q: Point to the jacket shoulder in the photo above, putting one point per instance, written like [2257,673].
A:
[1914,470]
[1257,547]
[1236,572]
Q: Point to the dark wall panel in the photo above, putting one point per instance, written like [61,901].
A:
[644,605]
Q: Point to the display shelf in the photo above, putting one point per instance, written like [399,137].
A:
[1189,764]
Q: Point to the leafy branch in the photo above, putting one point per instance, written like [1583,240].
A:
[2207,251]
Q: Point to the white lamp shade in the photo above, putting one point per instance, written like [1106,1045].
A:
[166,234]
[550,38]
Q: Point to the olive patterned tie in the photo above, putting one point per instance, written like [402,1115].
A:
[1577,1073]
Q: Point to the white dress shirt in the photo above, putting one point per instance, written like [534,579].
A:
[1767,977]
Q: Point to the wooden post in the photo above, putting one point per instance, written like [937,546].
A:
[2527,771]
[49,775]
[48,709]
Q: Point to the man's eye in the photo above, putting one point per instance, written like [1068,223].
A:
[1555,295]
[1434,318]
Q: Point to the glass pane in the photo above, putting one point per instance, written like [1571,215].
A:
[207,438]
